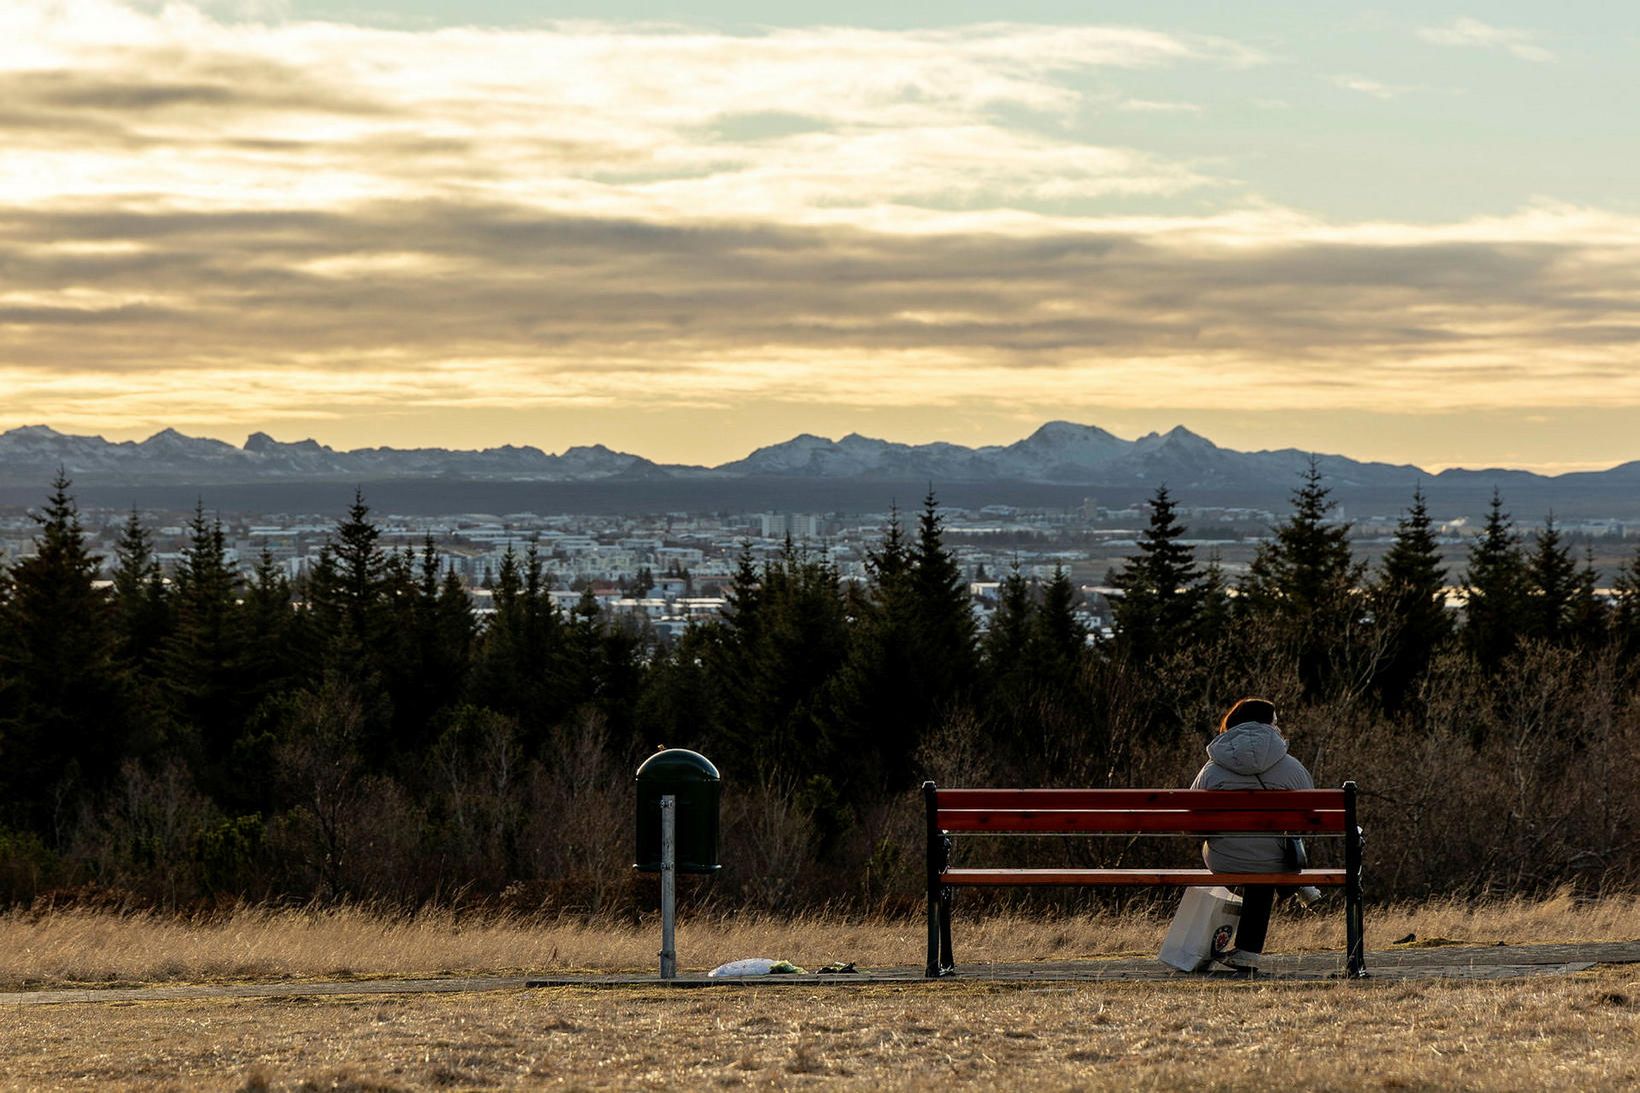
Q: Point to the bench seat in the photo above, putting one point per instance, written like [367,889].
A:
[1175,878]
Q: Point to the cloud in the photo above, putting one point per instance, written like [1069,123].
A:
[202,221]
[1155,106]
[103,99]
[1375,88]
[1472,33]
[425,302]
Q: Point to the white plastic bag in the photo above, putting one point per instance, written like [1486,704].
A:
[1204,925]
[753,965]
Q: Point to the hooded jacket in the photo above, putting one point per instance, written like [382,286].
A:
[1251,755]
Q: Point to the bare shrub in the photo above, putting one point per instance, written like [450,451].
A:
[478,773]
[576,832]
[146,836]
[770,839]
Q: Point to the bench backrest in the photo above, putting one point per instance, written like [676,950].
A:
[1139,811]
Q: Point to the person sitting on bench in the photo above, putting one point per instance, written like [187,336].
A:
[1248,753]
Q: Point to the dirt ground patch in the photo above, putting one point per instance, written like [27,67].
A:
[1573,1032]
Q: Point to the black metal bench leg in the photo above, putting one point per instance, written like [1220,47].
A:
[948,896]
[932,971]
[1354,932]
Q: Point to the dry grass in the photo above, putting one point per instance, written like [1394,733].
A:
[100,947]
[1580,1032]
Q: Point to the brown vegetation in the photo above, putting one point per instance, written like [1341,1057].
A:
[1577,1032]
[63,947]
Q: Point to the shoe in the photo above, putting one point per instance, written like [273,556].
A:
[1307,895]
[1238,958]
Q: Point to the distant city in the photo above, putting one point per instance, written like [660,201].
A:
[660,542]
[669,570]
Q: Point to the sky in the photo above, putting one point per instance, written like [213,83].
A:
[1397,231]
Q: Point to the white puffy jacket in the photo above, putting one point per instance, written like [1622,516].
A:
[1251,755]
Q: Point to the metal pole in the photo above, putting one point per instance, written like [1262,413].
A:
[669,886]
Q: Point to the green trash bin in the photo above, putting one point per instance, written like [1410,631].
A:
[691,778]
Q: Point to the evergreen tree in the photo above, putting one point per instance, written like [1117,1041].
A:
[1008,679]
[780,652]
[351,623]
[1214,609]
[945,630]
[66,729]
[1625,622]
[1012,624]
[354,593]
[1588,621]
[878,698]
[1160,593]
[1551,586]
[525,666]
[1409,604]
[140,608]
[1495,590]
[1302,586]
[1058,638]
[682,703]
[446,628]
[204,658]
[273,635]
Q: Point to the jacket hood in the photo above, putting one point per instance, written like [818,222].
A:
[1251,748]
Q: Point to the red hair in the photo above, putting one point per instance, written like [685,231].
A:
[1261,710]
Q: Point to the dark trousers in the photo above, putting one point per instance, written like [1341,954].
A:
[1256,903]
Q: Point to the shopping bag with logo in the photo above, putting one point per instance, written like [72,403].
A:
[1203,927]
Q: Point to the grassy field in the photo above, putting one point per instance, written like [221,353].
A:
[1580,1032]
[1574,1032]
[71,947]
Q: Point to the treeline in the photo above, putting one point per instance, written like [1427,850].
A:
[207,735]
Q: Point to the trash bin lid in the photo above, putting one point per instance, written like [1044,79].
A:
[678,765]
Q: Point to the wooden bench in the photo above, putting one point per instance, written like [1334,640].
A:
[1195,812]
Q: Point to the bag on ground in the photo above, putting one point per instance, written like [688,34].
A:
[1204,926]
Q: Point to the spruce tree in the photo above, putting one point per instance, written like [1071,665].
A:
[1058,639]
[945,629]
[1302,585]
[1214,609]
[1551,587]
[204,657]
[525,665]
[140,606]
[781,651]
[445,628]
[1409,604]
[1159,587]
[1012,623]
[1495,588]
[879,699]
[66,727]
[1588,621]
[347,596]
[1625,621]
[273,636]
[361,569]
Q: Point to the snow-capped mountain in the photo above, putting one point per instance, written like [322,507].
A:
[34,453]
[1059,452]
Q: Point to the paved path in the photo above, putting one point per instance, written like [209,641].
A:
[1436,962]
[1440,962]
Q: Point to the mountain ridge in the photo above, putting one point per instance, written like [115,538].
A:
[1057,452]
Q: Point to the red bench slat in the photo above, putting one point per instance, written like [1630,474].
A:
[1239,800]
[1183,878]
[1293,821]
